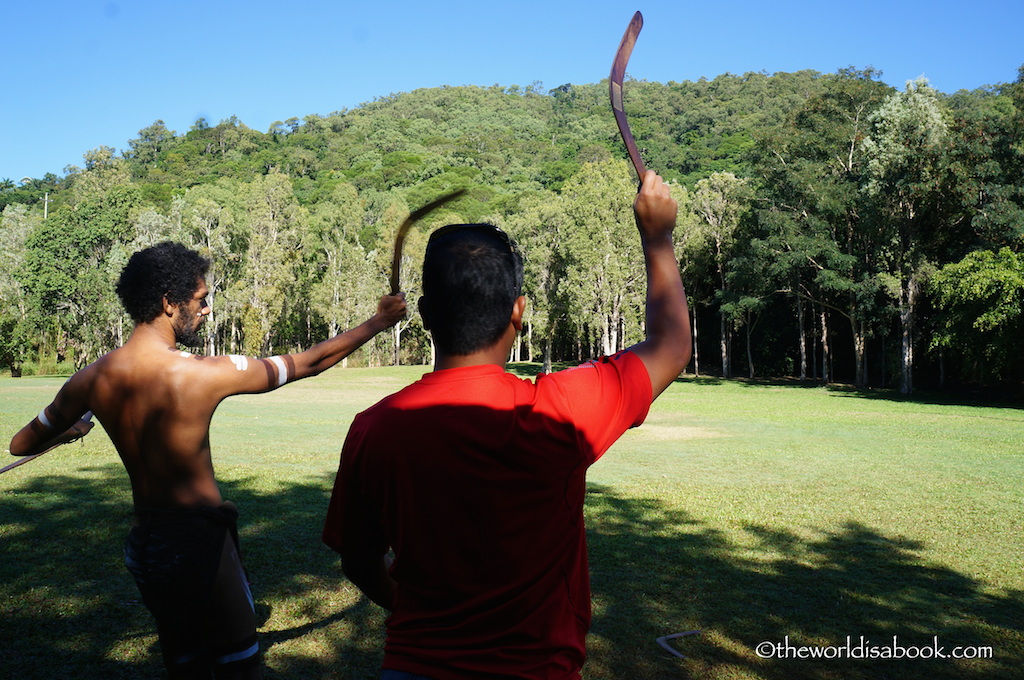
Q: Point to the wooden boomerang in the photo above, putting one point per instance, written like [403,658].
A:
[396,259]
[25,459]
[615,90]
[663,641]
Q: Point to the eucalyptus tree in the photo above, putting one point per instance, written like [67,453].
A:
[151,142]
[906,154]
[987,163]
[698,268]
[103,171]
[720,202]
[271,220]
[16,223]
[604,271]
[343,276]
[814,224]
[538,225]
[210,221]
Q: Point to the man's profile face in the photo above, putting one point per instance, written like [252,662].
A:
[190,317]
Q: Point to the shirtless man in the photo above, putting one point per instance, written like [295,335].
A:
[156,403]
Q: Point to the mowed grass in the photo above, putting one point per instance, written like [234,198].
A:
[752,513]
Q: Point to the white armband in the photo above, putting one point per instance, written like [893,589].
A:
[282,370]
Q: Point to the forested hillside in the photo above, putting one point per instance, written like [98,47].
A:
[832,228]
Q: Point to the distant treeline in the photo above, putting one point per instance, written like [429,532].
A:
[832,228]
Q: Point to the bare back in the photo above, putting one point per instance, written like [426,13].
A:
[156,404]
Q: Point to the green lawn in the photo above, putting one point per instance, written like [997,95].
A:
[749,512]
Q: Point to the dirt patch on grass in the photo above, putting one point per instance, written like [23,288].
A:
[667,433]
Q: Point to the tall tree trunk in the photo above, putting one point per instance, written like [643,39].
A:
[802,331]
[397,332]
[908,296]
[696,352]
[826,375]
[864,354]
[548,341]
[724,346]
[859,352]
[750,351]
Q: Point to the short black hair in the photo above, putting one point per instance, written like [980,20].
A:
[165,270]
[472,276]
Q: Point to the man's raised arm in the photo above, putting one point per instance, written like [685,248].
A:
[668,346]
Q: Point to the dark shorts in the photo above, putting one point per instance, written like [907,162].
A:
[186,565]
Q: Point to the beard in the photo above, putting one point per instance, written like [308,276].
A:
[186,332]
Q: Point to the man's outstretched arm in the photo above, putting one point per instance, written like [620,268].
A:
[318,358]
[235,374]
[668,346]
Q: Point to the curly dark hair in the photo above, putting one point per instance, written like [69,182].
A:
[472,275]
[165,270]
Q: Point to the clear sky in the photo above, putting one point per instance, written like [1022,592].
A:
[79,74]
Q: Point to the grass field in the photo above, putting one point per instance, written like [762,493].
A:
[750,512]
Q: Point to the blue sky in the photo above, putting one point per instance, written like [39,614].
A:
[79,74]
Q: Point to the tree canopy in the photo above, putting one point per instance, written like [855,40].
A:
[838,228]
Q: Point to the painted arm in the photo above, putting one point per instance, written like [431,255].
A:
[320,357]
[64,420]
[667,348]
[236,374]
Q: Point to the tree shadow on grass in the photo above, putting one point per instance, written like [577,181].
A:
[657,571]
[947,398]
[69,609]
[952,398]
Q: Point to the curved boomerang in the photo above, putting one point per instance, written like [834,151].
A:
[663,641]
[615,90]
[396,258]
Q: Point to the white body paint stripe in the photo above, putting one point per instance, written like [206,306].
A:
[241,363]
[44,420]
[282,370]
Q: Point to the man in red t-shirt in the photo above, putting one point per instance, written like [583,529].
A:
[475,478]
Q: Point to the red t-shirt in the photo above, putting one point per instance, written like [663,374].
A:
[476,478]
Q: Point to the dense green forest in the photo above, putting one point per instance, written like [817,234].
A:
[832,228]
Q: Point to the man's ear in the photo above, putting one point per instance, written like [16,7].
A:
[518,307]
[424,312]
[168,307]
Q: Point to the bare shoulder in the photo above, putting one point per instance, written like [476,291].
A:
[229,373]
